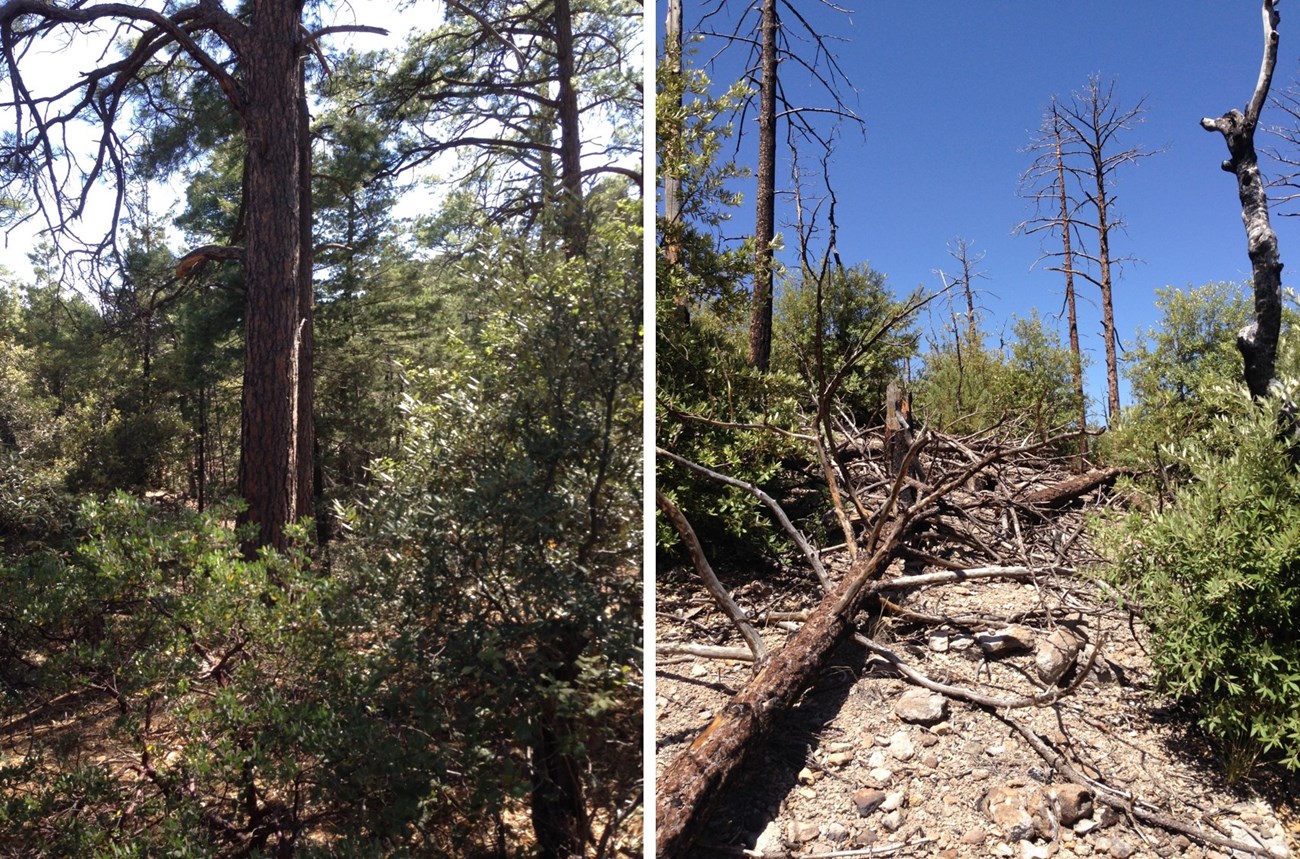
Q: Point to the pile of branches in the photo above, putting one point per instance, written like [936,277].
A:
[916,511]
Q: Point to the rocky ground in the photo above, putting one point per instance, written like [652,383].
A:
[848,773]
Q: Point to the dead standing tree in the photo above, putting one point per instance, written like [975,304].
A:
[1258,340]
[257,60]
[1044,183]
[1089,125]
[960,250]
[771,51]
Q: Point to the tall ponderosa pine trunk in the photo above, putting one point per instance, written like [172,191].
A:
[277,384]
[308,484]
[558,803]
[760,320]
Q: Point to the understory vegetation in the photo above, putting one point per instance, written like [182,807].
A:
[445,659]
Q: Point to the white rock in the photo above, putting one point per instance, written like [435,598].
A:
[769,841]
[1030,850]
[900,746]
[921,706]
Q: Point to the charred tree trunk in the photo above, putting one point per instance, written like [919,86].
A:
[1067,257]
[899,440]
[1107,301]
[274,326]
[1258,340]
[760,319]
[690,784]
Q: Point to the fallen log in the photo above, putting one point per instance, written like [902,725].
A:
[1060,494]
[693,780]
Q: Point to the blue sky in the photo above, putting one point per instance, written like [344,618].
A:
[951,93]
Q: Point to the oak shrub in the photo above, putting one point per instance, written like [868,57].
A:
[1216,573]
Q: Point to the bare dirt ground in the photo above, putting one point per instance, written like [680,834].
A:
[844,775]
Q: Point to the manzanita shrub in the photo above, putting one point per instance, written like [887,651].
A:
[1217,574]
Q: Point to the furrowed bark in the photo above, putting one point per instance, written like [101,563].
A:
[274,329]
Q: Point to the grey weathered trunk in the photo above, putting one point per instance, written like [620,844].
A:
[1258,340]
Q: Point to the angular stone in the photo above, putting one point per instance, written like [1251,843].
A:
[801,831]
[1070,802]
[893,801]
[1006,641]
[769,840]
[938,641]
[1021,813]
[880,776]
[961,641]
[1056,654]
[893,821]
[1030,850]
[974,836]
[921,707]
[868,800]
[836,832]
[807,776]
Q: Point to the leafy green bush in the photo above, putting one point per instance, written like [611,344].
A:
[857,307]
[240,702]
[966,386]
[1217,573]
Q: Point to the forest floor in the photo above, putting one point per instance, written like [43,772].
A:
[844,775]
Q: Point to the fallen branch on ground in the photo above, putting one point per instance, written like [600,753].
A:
[720,595]
[811,554]
[1117,800]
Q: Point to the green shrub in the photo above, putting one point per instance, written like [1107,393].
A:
[1217,573]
